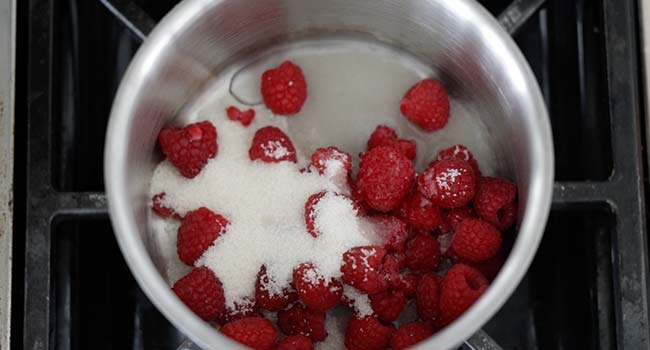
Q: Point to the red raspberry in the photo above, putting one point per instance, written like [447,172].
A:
[161,209]
[272,301]
[244,117]
[495,201]
[202,292]
[379,137]
[449,183]
[244,308]
[454,216]
[489,268]
[408,284]
[388,305]
[400,257]
[419,212]
[408,148]
[427,297]
[284,88]
[385,178]
[391,232]
[255,332]
[391,266]
[410,334]
[313,290]
[295,342]
[426,105]
[476,240]
[189,148]
[385,136]
[367,333]
[299,320]
[331,160]
[423,253]
[198,230]
[460,288]
[460,152]
[361,268]
[311,212]
[271,145]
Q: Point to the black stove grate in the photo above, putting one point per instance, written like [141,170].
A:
[587,287]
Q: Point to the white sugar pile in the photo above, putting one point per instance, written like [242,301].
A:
[264,204]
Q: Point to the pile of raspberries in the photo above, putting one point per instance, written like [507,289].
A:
[440,229]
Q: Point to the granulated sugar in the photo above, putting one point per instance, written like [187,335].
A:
[448,176]
[275,150]
[264,204]
[165,248]
[360,301]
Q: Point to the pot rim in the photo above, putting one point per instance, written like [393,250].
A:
[156,288]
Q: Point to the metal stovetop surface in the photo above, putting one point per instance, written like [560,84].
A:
[7,57]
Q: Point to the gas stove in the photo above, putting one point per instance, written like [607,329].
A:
[71,289]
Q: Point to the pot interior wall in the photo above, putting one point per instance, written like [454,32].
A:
[478,71]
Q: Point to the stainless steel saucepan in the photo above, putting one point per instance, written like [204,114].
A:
[478,61]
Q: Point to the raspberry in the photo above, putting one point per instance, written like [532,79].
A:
[449,183]
[361,268]
[198,230]
[390,269]
[271,145]
[460,152]
[423,253]
[272,301]
[314,290]
[244,117]
[385,178]
[489,268]
[189,148]
[331,160]
[419,212]
[408,284]
[284,89]
[367,333]
[495,201]
[400,257]
[161,209]
[391,232]
[476,240]
[311,212]
[379,137]
[255,332]
[244,308]
[202,292]
[385,136]
[452,217]
[295,342]
[460,288]
[388,305]
[426,105]
[299,320]
[455,215]
[410,334]
[427,297]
